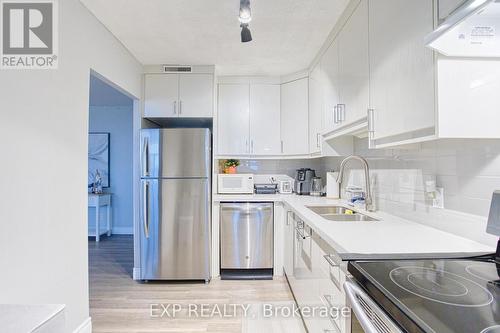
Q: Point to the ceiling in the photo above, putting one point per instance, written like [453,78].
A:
[287,34]
[102,94]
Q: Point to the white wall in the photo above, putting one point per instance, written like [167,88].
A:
[43,174]
[118,122]
[468,170]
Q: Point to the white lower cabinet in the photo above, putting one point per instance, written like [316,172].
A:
[331,280]
[316,278]
[289,236]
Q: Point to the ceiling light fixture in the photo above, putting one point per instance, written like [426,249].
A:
[245,17]
[246,35]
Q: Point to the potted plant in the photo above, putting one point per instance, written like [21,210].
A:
[230,166]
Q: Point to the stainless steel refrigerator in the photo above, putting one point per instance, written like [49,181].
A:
[175,208]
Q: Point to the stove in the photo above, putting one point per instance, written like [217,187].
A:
[441,295]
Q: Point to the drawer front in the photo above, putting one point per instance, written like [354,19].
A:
[330,290]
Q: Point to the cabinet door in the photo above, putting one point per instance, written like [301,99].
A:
[294,117]
[330,71]
[401,67]
[353,65]
[196,95]
[161,94]
[265,119]
[315,110]
[288,245]
[233,119]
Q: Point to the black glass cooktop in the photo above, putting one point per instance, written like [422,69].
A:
[441,296]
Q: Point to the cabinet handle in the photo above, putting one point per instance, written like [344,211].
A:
[246,146]
[180,107]
[318,140]
[288,217]
[335,115]
[282,146]
[175,107]
[371,123]
[328,299]
[329,259]
[251,146]
[341,110]
[302,234]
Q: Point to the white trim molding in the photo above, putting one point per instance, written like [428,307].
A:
[136,273]
[85,327]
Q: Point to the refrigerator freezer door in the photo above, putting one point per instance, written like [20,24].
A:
[185,153]
[175,235]
[246,235]
[176,153]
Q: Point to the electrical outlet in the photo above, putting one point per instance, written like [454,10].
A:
[438,201]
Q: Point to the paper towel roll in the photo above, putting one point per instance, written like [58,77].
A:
[332,187]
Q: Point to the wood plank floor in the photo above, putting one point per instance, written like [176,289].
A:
[119,304]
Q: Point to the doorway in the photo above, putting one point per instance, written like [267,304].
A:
[110,178]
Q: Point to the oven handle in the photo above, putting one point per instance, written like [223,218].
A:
[354,293]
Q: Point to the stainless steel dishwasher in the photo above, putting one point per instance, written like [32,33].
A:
[246,240]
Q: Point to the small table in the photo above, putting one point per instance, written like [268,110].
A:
[97,201]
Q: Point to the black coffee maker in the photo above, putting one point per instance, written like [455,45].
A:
[303,181]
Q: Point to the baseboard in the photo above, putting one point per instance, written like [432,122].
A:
[123,230]
[136,273]
[85,327]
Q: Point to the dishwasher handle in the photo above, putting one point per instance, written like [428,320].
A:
[370,316]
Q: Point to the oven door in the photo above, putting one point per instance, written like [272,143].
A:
[366,315]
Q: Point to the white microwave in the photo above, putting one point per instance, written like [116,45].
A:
[241,183]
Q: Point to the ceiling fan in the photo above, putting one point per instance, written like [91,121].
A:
[245,17]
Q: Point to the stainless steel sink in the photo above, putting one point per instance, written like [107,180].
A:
[338,213]
[328,209]
[348,218]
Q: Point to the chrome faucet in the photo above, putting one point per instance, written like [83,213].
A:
[368,200]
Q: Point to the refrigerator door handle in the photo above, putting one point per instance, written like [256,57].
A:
[145,158]
[145,204]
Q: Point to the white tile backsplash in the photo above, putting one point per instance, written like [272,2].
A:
[284,166]
[468,170]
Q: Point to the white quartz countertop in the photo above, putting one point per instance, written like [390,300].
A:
[39,318]
[389,238]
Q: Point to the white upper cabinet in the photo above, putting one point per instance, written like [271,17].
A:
[161,94]
[468,107]
[249,119]
[401,67]
[315,110]
[178,95]
[353,67]
[196,95]
[294,117]
[330,82]
[265,119]
[233,119]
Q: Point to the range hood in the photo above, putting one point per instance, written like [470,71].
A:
[473,30]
